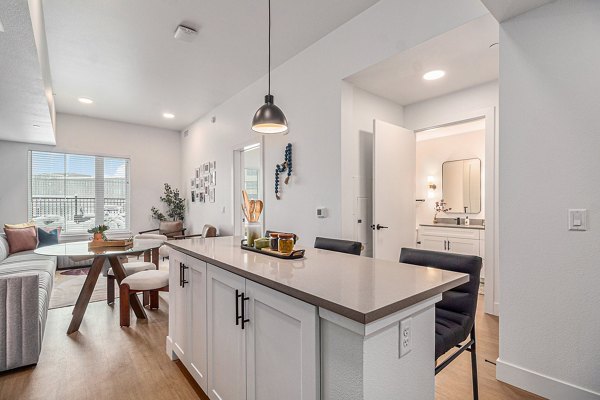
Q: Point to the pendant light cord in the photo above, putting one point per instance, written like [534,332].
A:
[269,47]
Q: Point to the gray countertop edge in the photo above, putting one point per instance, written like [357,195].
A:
[363,318]
[479,227]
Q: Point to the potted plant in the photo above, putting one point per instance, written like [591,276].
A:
[175,206]
[98,232]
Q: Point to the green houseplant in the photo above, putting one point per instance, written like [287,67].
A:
[175,206]
[98,232]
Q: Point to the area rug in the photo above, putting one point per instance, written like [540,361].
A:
[68,284]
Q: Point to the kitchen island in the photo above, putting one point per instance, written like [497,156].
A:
[328,326]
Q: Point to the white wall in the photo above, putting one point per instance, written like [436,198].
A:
[451,107]
[308,88]
[361,108]
[549,162]
[431,154]
[154,155]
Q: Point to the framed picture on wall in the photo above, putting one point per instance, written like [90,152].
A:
[193,196]
[197,172]
[192,182]
[213,178]
[213,165]
[206,167]
[211,195]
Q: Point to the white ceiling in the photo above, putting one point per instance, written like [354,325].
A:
[506,9]
[24,101]
[464,53]
[122,54]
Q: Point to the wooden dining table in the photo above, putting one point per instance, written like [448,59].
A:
[100,255]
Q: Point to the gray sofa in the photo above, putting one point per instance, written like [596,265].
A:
[26,281]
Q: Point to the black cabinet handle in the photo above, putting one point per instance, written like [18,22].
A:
[448,245]
[237,307]
[445,245]
[180,274]
[244,319]
[183,281]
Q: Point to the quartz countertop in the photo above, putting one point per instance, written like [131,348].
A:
[360,288]
[480,227]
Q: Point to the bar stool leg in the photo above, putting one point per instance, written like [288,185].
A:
[124,305]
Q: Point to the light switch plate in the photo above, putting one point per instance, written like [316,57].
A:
[578,220]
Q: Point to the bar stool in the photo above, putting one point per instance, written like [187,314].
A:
[455,313]
[341,246]
[149,282]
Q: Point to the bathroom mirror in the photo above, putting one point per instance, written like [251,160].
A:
[461,185]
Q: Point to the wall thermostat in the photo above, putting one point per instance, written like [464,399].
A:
[321,212]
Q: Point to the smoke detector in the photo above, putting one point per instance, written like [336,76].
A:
[185,33]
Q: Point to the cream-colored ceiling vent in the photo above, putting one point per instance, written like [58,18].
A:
[185,33]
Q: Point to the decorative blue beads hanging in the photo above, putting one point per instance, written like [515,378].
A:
[280,168]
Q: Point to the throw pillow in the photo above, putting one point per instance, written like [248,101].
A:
[17,226]
[47,237]
[21,239]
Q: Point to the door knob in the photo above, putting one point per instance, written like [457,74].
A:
[378,227]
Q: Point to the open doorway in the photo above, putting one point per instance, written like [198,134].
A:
[248,176]
[438,93]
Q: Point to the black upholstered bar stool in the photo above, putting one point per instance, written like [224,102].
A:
[455,313]
[341,246]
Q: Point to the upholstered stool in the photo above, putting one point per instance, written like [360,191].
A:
[130,268]
[151,281]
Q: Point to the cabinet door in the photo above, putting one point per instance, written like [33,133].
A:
[282,349]
[434,243]
[463,246]
[178,307]
[226,339]
[196,298]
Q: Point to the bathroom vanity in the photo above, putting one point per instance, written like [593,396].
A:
[329,326]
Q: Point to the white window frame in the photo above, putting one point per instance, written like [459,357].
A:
[99,199]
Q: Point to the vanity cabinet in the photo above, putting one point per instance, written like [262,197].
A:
[452,240]
[232,333]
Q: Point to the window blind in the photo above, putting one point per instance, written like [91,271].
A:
[76,192]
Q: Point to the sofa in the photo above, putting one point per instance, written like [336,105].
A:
[26,281]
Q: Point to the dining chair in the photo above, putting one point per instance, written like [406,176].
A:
[341,246]
[135,266]
[455,313]
[149,282]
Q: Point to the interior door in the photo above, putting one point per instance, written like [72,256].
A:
[394,175]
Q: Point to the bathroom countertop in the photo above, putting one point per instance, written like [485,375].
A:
[480,227]
[360,288]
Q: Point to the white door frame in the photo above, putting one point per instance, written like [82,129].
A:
[236,195]
[492,303]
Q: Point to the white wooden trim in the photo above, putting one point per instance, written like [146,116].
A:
[540,384]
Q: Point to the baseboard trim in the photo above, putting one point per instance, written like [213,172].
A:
[541,385]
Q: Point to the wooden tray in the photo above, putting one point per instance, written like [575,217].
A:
[294,255]
[109,243]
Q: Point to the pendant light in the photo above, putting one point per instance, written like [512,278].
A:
[269,118]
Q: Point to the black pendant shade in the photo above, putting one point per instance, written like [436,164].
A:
[269,118]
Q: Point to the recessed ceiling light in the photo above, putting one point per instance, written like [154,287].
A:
[168,115]
[85,100]
[36,126]
[433,75]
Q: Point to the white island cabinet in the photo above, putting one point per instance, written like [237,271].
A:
[187,338]
[330,326]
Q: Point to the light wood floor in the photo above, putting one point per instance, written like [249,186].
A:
[103,361]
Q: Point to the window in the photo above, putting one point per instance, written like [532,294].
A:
[76,192]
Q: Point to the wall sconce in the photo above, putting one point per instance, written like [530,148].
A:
[430,187]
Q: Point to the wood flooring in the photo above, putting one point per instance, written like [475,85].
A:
[104,361]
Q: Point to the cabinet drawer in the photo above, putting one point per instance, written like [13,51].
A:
[460,233]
